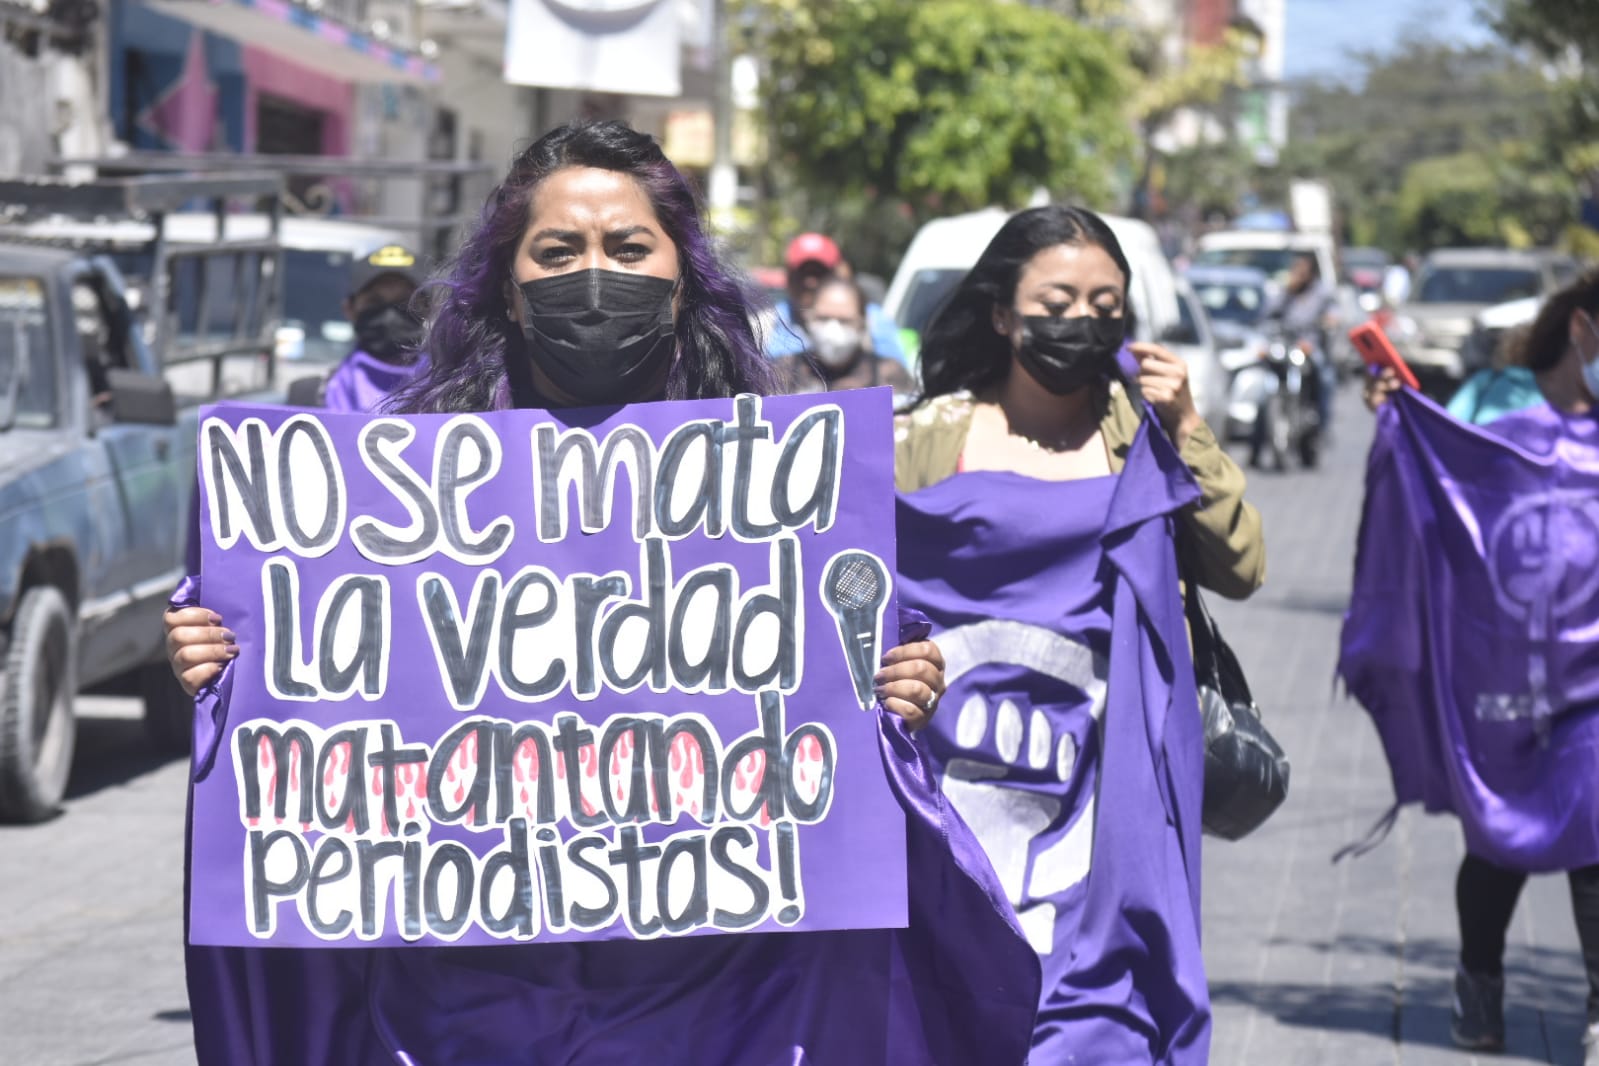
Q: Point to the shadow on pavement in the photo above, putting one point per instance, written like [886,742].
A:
[1350,1009]
[111,751]
[1308,603]
[1544,995]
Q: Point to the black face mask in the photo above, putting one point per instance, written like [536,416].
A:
[1064,354]
[389,331]
[600,336]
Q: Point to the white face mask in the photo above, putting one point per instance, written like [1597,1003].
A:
[1590,364]
[835,343]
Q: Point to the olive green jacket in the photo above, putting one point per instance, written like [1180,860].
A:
[1220,542]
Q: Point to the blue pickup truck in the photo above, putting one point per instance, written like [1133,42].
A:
[99,392]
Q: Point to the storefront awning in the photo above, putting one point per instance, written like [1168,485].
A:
[304,37]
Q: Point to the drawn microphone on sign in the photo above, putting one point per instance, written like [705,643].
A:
[855,589]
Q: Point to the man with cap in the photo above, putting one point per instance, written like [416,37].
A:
[811,259]
[387,332]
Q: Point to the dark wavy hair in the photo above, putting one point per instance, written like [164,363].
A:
[1546,342]
[475,348]
[960,348]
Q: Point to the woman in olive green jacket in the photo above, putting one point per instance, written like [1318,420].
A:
[1077,749]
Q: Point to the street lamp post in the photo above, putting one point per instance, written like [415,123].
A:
[723,184]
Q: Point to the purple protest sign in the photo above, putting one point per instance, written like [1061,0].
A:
[548,676]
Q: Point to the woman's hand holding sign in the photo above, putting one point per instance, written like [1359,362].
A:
[911,682]
[198,646]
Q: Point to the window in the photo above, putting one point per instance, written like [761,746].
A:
[28,381]
[1273,262]
[925,295]
[315,284]
[1233,303]
[1476,285]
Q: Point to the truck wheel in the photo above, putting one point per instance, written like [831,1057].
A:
[168,710]
[36,727]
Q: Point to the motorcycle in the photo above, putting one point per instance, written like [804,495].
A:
[1272,402]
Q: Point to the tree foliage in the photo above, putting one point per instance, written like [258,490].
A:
[945,105]
[1205,75]
[1555,28]
[1430,130]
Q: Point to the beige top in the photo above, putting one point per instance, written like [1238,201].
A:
[1222,545]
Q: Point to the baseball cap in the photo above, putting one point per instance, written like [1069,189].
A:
[812,248]
[389,259]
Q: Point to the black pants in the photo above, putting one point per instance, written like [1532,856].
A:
[1485,897]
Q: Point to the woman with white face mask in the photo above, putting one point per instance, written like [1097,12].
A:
[1562,351]
[840,355]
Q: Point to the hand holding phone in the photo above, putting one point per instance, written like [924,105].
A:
[1377,350]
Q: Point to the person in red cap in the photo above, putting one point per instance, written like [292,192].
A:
[811,259]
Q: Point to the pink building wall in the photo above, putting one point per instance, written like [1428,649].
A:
[267,73]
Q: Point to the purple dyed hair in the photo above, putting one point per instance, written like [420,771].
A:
[475,348]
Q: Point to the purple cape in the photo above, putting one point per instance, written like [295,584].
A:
[362,382]
[958,987]
[1059,604]
[1472,636]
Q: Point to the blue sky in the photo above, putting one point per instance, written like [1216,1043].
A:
[1321,31]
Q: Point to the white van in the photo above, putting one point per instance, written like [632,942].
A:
[945,249]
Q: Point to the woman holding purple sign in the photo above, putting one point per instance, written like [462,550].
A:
[590,281]
[1534,808]
[1054,522]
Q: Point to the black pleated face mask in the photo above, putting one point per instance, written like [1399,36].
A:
[389,331]
[1064,354]
[600,336]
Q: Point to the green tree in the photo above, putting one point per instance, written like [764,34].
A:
[1426,100]
[942,105]
[1449,200]
[1556,28]
[1565,136]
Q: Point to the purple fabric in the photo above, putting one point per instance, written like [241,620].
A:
[1127,362]
[1072,710]
[362,382]
[958,986]
[1472,636]
[844,866]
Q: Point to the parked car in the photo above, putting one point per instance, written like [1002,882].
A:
[1453,286]
[1365,269]
[945,249]
[98,412]
[1196,341]
[1494,327]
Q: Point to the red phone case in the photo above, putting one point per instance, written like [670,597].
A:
[1378,351]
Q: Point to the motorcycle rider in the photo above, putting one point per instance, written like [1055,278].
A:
[1305,310]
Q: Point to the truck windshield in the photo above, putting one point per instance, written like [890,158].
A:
[925,295]
[315,285]
[1476,285]
[1273,262]
[1242,303]
[27,366]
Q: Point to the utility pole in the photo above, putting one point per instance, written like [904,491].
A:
[723,185]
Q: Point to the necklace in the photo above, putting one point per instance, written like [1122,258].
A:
[1053,447]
